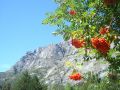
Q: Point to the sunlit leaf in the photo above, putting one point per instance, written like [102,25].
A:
[68,64]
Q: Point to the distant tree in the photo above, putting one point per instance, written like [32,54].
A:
[36,84]
[28,82]
[22,82]
[0,87]
[6,85]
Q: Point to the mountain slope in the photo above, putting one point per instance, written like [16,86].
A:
[49,63]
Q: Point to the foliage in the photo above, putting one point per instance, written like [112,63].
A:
[28,82]
[6,85]
[90,24]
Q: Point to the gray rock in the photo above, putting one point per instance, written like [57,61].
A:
[49,63]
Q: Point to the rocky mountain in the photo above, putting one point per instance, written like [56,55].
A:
[49,63]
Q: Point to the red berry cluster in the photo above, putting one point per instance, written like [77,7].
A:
[101,45]
[104,30]
[72,12]
[110,2]
[76,76]
[78,43]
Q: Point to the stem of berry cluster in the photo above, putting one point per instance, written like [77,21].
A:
[86,50]
[86,41]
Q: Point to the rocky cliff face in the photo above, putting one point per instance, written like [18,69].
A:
[49,63]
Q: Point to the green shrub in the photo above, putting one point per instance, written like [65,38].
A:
[28,82]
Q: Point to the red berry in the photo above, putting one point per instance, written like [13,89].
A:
[76,76]
[101,45]
[104,30]
[72,12]
[110,2]
[77,43]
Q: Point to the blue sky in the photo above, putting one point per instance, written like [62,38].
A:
[21,29]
